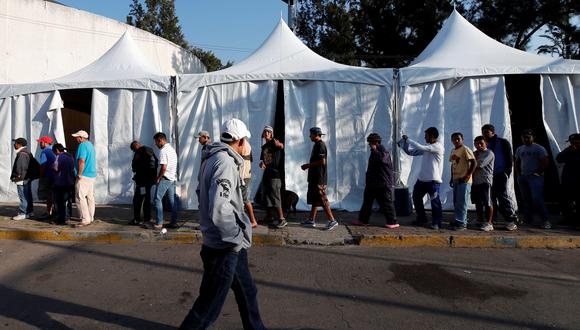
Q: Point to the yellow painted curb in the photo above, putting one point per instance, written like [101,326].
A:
[565,242]
[64,236]
[266,240]
[404,241]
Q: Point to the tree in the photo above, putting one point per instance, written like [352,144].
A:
[565,42]
[391,33]
[158,17]
[370,32]
[514,22]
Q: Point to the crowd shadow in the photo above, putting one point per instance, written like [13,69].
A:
[35,310]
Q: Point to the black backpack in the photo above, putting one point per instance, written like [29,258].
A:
[33,171]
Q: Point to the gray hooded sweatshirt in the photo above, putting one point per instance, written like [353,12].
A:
[223,221]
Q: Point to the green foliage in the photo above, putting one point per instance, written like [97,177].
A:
[514,22]
[390,33]
[158,17]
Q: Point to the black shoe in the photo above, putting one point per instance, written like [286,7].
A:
[135,222]
[172,226]
[419,223]
[45,217]
[58,223]
[460,227]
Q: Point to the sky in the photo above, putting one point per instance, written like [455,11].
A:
[232,29]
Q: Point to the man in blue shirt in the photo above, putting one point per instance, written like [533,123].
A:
[46,180]
[86,172]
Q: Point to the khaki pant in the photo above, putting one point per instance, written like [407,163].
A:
[85,199]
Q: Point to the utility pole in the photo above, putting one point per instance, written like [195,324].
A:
[291,13]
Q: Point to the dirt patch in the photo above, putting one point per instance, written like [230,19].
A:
[433,280]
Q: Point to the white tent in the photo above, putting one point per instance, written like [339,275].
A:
[457,84]
[130,100]
[347,102]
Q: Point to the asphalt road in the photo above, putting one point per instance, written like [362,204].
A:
[53,285]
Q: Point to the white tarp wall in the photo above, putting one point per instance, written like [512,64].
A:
[347,114]
[254,102]
[119,116]
[561,109]
[462,105]
[29,116]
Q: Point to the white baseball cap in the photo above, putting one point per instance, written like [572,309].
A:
[82,134]
[234,130]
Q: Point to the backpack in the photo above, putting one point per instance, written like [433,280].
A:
[33,171]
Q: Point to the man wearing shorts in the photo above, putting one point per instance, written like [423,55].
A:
[317,179]
[271,163]
[246,176]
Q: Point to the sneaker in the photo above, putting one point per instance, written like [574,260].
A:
[546,225]
[434,226]
[392,225]
[281,223]
[331,225]
[308,223]
[487,227]
[29,215]
[511,226]
[358,223]
[19,217]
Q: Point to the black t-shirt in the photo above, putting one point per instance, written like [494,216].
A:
[144,165]
[318,175]
[271,156]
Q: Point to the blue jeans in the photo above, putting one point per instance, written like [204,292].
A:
[432,188]
[461,191]
[224,269]
[165,187]
[25,196]
[532,190]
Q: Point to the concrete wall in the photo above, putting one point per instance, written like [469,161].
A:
[42,40]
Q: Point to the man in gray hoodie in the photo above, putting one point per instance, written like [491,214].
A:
[227,234]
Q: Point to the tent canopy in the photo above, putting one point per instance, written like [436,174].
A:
[461,50]
[122,66]
[283,56]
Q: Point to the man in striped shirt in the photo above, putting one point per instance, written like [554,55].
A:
[165,180]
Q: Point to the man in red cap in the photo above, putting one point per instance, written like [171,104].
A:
[46,180]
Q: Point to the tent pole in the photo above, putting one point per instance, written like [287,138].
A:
[395,150]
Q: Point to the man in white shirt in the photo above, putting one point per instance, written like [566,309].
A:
[165,181]
[429,178]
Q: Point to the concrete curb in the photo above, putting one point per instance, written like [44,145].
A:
[467,241]
[267,239]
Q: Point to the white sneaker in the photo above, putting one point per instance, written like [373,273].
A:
[19,217]
[511,226]
[487,227]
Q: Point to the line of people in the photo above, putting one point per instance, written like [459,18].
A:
[480,176]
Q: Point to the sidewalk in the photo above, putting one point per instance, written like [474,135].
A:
[111,226]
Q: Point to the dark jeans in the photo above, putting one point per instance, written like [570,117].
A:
[384,196]
[63,196]
[432,188]
[142,201]
[224,269]
[571,201]
[25,197]
[532,190]
[502,202]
